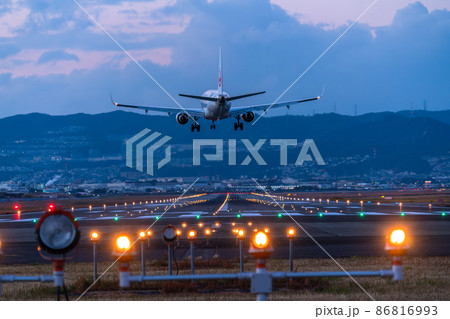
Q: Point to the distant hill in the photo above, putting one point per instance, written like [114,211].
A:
[399,141]
[442,116]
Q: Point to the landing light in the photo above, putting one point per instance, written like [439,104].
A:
[123,242]
[169,233]
[57,232]
[95,236]
[291,233]
[397,237]
[260,240]
[192,234]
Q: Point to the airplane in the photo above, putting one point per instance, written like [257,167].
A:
[216,105]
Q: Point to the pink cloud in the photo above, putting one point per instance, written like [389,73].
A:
[335,13]
[25,63]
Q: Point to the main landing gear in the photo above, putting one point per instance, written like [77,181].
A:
[213,126]
[195,126]
[238,125]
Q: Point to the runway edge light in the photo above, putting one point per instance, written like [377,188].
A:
[291,233]
[124,254]
[397,246]
[95,236]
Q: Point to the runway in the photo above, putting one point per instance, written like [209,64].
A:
[341,228]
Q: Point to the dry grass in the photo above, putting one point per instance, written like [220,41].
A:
[425,278]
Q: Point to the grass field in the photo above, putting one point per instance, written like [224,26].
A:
[425,278]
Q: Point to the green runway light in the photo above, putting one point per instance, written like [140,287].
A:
[320,214]
[116,218]
[238,215]
[198,216]
[76,219]
[156,217]
[402,214]
[443,214]
[280,215]
[34,220]
[361,214]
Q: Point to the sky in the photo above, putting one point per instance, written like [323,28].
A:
[55,60]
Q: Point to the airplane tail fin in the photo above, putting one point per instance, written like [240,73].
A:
[220,82]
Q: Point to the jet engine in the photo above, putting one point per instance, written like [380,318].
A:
[248,117]
[182,118]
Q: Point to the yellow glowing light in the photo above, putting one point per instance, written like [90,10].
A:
[241,233]
[217,224]
[207,232]
[291,232]
[250,223]
[149,233]
[192,234]
[200,225]
[266,230]
[95,235]
[183,225]
[398,236]
[123,242]
[141,234]
[178,232]
[261,240]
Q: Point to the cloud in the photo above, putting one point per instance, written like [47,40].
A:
[56,55]
[264,48]
[13,16]
[136,18]
[7,50]
[333,14]
[36,62]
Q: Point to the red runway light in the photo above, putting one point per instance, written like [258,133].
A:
[16,206]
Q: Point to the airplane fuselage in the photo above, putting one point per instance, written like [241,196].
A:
[216,110]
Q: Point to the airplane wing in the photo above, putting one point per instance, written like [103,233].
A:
[191,111]
[265,107]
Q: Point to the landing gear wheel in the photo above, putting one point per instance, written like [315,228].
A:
[195,127]
[241,125]
[235,126]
